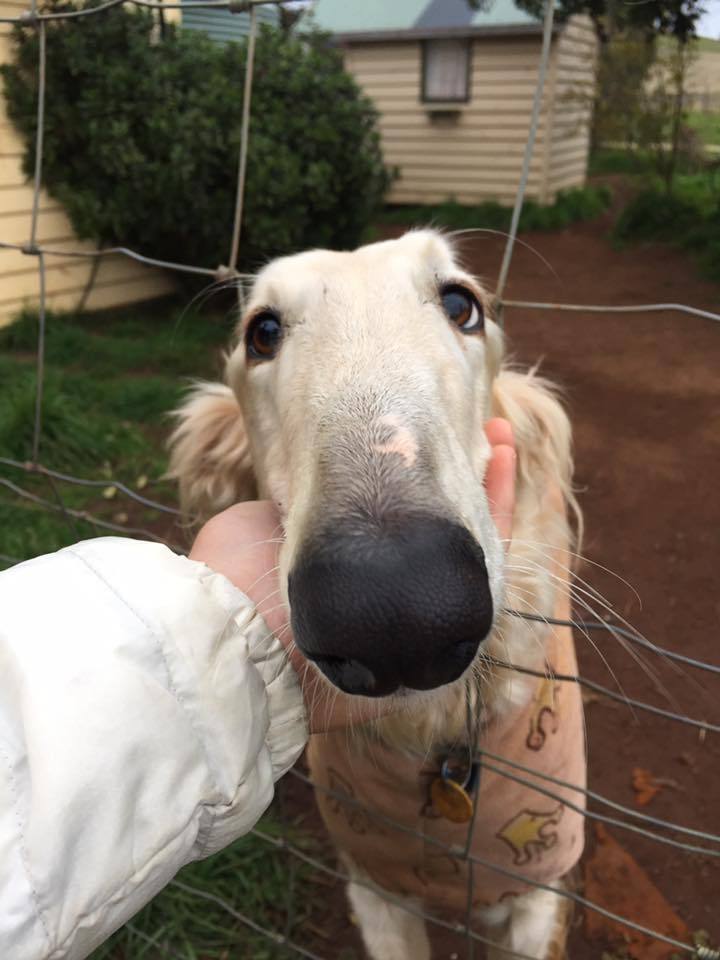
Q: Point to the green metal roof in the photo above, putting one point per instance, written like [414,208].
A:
[417,16]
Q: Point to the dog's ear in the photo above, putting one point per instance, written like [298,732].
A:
[543,440]
[210,456]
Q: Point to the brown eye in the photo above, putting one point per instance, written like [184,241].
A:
[263,336]
[462,308]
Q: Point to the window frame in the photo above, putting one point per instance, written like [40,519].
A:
[424,97]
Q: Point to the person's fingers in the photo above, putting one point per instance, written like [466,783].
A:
[499,431]
[243,543]
[500,475]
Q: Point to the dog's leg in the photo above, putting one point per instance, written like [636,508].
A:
[535,924]
[388,931]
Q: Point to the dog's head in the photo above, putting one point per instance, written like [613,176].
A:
[363,381]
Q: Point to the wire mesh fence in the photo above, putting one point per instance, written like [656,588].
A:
[592,804]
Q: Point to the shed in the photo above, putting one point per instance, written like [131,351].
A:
[454,87]
[224,26]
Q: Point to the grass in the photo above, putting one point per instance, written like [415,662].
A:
[110,379]
[701,44]
[570,206]
[687,217]
[708,44]
[253,878]
[611,160]
[707,127]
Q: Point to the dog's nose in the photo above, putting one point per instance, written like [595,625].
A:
[382,609]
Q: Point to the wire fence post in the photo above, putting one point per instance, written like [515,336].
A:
[527,158]
[244,139]
[32,246]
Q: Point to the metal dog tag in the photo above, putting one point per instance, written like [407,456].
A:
[451,800]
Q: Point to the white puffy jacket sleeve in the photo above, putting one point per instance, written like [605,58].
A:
[145,713]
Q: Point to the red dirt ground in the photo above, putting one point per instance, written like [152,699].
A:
[644,396]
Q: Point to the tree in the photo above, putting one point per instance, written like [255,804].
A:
[142,138]
[649,18]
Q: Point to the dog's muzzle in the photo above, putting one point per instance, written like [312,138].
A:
[381,609]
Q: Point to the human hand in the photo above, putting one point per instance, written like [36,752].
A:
[243,543]
[500,476]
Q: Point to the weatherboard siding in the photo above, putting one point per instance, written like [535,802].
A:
[223,26]
[478,153]
[118,280]
[572,89]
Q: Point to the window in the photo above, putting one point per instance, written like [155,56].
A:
[446,71]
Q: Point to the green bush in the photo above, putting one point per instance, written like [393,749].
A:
[620,160]
[688,218]
[142,138]
[570,206]
[655,215]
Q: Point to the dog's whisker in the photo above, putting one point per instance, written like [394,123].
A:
[200,299]
[540,645]
[502,233]
[266,611]
[584,559]
[581,601]
[578,595]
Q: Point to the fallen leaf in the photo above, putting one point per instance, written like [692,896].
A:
[109,492]
[614,880]
[645,786]
[141,482]
[120,517]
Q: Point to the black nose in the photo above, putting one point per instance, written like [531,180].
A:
[378,610]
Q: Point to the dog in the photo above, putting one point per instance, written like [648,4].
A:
[355,397]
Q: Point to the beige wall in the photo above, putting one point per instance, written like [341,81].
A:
[571,90]
[118,280]
[478,154]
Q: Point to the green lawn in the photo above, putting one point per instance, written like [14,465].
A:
[111,378]
[266,885]
[687,217]
[708,45]
[707,126]
[701,44]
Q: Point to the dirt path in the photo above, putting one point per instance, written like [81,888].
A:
[644,396]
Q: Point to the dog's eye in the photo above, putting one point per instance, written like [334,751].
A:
[462,308]
[263,336]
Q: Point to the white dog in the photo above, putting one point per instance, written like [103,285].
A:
[356,396]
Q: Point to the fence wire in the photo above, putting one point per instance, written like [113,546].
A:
[632,820]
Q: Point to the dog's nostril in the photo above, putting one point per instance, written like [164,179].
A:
[465,651]
[348,674]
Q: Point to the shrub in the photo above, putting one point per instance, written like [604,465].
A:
[690,219]
[655,215]
[570,206]
[142,138]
